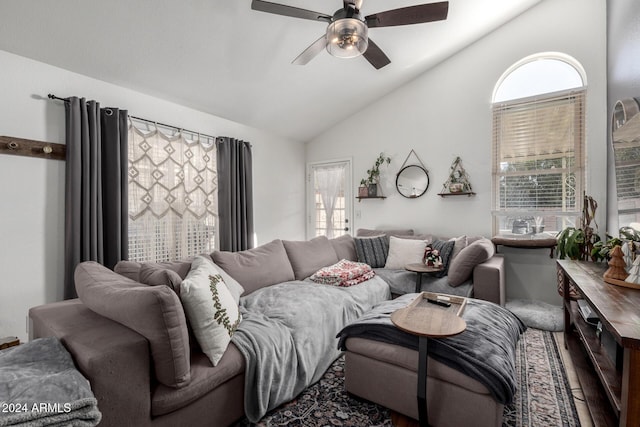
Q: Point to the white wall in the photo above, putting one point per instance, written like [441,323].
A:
[445,113]
[32,190]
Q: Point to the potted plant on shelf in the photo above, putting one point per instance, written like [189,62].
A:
[373,176]
[363,191]
[458,181]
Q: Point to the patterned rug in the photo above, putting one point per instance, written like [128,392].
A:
[543,398]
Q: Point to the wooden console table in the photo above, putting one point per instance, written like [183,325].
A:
[611,390]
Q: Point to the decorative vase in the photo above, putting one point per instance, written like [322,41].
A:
[363,191]
[372,190]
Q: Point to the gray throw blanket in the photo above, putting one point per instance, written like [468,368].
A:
[40,386]
[287,336]
[485,351]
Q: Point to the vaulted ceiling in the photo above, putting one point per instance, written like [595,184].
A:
[221,57]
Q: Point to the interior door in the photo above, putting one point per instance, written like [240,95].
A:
[329,198]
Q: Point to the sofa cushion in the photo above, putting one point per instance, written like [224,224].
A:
[131,269]
[372,250]
[365,232]
[204,379]
[154,312]
[128,269]
[460,243]
[211,309]
[256,268]
[345,247]
[446,250]
[153,274]
[404,251]
[462,266]
[406,358]
[307,257]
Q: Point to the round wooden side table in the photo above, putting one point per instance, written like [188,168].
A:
[420,268]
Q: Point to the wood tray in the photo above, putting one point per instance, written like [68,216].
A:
[423,318]
[622,283]
[457,303]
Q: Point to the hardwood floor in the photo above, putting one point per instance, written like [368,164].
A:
[400,420]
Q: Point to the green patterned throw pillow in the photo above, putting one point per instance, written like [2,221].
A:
[211,309]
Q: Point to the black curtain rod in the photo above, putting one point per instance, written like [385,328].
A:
[52,96]
[173,127]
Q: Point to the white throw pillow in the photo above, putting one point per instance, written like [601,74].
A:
[404,251]
[234,287]
[211,309]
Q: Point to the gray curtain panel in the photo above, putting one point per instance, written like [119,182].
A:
[235,194]
[96,186]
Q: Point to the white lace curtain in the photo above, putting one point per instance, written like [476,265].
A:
[172,195]
[329,186]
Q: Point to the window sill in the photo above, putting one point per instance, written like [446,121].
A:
[526,241]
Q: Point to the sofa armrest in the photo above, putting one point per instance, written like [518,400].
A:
[114,358]
[488,280]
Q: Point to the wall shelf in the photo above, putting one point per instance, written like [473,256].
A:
[364,198]
[460,193]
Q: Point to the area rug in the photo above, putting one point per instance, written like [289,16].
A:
[543,398]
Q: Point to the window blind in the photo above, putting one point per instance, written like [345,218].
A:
[539,159]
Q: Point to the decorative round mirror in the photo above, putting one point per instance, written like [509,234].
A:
[412,181]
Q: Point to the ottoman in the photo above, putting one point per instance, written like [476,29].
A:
[387,374]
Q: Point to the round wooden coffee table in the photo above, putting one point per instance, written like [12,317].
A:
[420,268]
[425,317]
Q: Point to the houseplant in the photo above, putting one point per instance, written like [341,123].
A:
[373,176]
[602,250]
[578,242]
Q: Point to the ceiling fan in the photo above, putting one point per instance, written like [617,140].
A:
[347,33]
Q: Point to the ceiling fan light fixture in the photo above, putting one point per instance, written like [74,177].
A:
[347,38]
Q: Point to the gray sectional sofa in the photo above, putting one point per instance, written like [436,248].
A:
[129,336]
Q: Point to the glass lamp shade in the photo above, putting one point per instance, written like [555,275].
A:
[347,38]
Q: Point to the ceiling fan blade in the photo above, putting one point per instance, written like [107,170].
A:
[312,51]
[294,12]
[409,15]
[376,56]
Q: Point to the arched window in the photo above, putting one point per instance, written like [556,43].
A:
[539,144]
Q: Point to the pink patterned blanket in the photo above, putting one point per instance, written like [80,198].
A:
[343,273]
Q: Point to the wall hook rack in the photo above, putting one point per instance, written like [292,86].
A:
[32,148]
